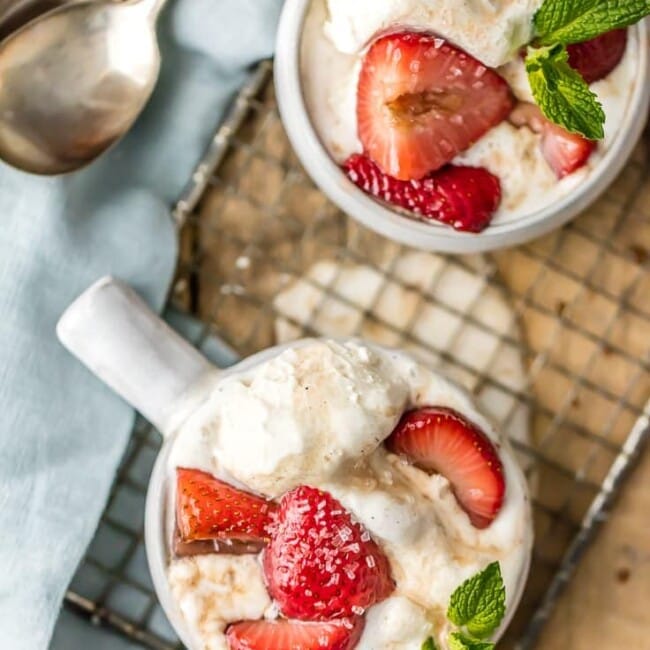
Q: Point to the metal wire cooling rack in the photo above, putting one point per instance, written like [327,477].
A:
[254,227]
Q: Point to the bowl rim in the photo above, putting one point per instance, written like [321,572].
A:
[431,236]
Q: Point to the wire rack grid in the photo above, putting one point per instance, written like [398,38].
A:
[563,326]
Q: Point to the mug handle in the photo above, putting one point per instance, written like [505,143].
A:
[112,331]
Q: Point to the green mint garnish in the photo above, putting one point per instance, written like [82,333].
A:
[479,604]
[458,641]
[575,21]
[429,644]
[562,94]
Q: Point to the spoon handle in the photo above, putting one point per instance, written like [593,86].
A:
[111,330]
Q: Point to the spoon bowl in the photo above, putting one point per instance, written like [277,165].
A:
[73,83]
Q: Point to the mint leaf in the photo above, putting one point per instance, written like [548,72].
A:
[479,603]
[574,21]
[458,641]
[562,94]
[429,644]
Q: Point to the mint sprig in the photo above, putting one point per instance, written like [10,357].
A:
[458,641]
[575,21]
[479,604]
[562,94]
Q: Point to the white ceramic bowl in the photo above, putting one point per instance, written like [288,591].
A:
[431,236]
[113,332]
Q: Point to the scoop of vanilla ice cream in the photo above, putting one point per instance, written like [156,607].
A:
[396,624]
[490,30]
[298,418]
[215,590]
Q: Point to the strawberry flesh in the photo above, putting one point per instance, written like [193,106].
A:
[596,58]
[465,198]
[320,564]
[294,635]
[440,440]
[209,509]
[565,152]
[421,101]
[215,546]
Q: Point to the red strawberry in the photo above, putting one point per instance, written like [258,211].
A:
[207,509]
[596,58]
[294,635]
[463,197]
[565,152]
[320,564]
[441,440]
[421,101]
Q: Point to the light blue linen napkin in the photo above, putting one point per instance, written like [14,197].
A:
[62,432]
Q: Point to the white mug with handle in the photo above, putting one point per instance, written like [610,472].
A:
[116,335]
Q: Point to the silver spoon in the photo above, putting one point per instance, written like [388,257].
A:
[14,14]
[73,82]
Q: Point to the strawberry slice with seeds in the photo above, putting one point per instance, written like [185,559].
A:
[565,152]
[465,198]
[209,509]
[421,101]
[294,635]
[438,439]
[320,564]
[596,58]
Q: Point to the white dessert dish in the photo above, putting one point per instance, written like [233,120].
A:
[364,388]
[316,70]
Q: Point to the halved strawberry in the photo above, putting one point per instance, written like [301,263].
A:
[294,635]
[596,58]
[421,101]
[209,509]
[565,152]
[320,564]
[441,440]
[463,197]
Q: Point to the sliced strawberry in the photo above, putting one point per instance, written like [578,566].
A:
[216,546]
[441,440]
[565,152]
[421,101]
[294,635]
[209,509]
[463,197]
[596,58]
[320,564]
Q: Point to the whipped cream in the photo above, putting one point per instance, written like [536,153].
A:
[316,414]
[334,37]
[490,30]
